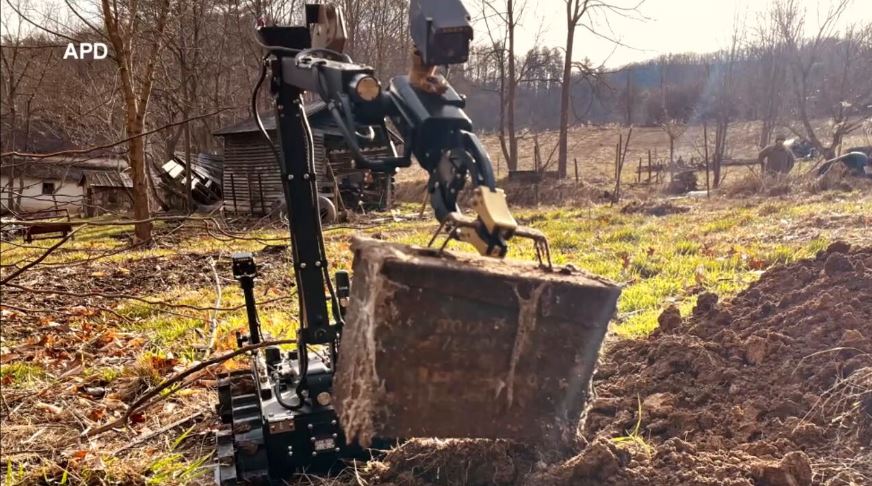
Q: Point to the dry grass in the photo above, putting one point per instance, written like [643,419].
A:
[70,363]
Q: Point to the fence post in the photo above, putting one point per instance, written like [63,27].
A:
[705,142]
[649,166]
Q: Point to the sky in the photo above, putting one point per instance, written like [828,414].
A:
[659,27]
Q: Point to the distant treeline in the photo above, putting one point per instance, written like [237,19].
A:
[208,64]
[682,87]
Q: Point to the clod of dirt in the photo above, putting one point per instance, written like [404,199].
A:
[670,319]
[755,350]
[839,247]
[601,461]
[659,404]
[420,462]
[837,263]
[794,469]
[706,302]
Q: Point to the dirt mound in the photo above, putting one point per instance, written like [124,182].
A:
[450,462]
[785,367]
[771,389]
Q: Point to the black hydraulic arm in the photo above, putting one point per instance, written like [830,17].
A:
[432,123]
[298,179]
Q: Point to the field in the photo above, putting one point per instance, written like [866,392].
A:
[593,147]
[100,321]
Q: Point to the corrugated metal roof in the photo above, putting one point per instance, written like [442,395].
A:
[106,178]
[59,168]
[206,170]
[206,165]
[269,121]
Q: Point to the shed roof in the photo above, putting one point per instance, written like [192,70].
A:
[106,179]
[269,121]
[48,134]
[60,168]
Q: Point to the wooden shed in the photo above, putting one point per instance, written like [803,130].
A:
[252,182]
[106,192]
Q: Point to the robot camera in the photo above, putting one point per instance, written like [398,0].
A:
[243,265]
[441,31]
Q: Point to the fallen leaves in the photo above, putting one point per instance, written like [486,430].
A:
[78,455]
[80,310]
[97,414]
[162,365]
[89,363]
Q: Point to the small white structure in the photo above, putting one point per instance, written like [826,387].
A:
[31,185]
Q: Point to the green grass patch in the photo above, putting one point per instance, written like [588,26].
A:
[20,373]
[634,437]
[176,468]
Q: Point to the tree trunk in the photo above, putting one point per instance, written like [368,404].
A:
[502,134]
[720,150]
[12,199]
[135,102]
[136,154]
[629,98]
[510,115]
[563,139]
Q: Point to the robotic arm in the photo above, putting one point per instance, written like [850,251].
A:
[423,106]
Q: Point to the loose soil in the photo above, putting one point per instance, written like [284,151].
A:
[773,388]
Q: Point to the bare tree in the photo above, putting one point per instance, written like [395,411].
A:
[509,13]
[12,73]
[673,122]
[24,62]
[724,101]
[136,32]
[629,95]
[826,73]
[576,12]
[769,76]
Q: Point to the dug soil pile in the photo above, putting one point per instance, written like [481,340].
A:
[771,389]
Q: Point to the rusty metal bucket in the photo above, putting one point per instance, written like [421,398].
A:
[445,345]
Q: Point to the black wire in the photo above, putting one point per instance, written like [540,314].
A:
[276,48]
[277,392]
[256,114]
[341,55]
